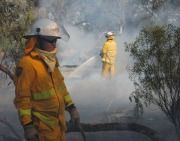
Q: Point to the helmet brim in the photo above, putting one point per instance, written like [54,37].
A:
[50,38]
[46,37]
[28,36]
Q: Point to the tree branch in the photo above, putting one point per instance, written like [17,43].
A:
[5,70]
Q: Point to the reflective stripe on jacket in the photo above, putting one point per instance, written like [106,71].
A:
[109,51]
[40,93]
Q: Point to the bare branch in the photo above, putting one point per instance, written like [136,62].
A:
[5,70]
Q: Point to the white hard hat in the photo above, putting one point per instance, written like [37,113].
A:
[44,27]
[109,34]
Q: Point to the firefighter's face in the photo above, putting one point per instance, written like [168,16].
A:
[49,45]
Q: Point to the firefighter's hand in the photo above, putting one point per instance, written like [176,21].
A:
[75,119]
[31,133]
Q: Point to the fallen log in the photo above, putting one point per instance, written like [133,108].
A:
[154,136]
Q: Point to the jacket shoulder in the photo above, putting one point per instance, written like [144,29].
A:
[25,61]
[113,42]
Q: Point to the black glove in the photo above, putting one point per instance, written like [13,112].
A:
[31,133]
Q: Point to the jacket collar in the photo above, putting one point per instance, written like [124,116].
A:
[34,54]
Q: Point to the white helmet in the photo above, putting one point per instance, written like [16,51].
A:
[109,34]
[46,28]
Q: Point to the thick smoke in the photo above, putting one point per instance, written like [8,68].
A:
[77,49]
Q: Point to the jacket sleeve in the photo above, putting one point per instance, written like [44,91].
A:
[104,49]
[67,98]
[23,80]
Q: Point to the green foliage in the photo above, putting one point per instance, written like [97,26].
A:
[156,69]
[16,17]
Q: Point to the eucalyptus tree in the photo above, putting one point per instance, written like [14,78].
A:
[156,70]
[16,16]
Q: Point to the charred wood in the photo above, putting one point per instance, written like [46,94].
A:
[154,136]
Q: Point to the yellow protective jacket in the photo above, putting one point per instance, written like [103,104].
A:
[109,51]
[40,94]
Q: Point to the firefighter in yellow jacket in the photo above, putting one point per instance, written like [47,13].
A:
[41,95]
[108,55]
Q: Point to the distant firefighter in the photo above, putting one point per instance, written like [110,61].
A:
[108,55]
